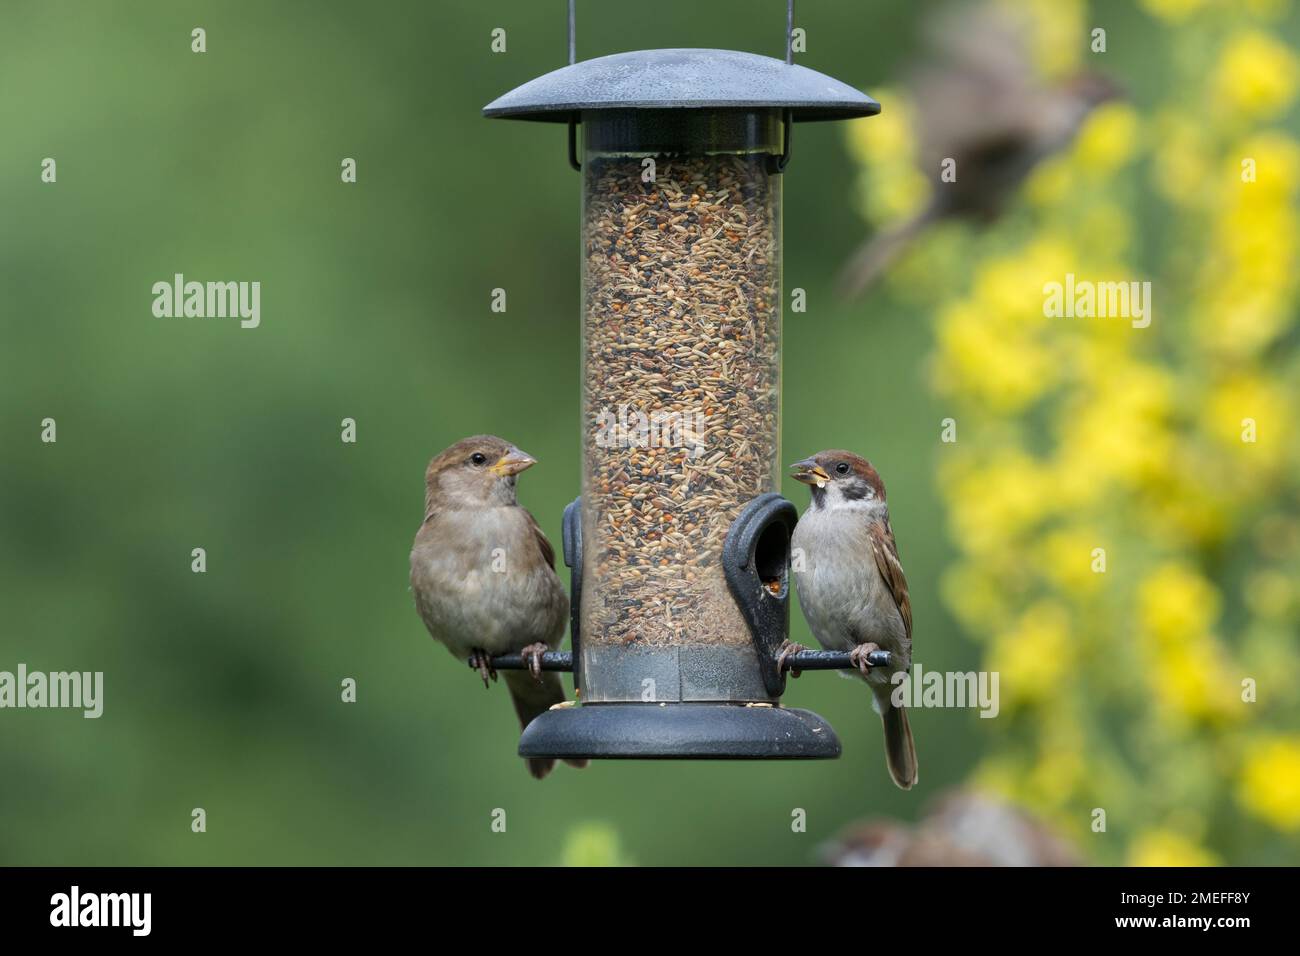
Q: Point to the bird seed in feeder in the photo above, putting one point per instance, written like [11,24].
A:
[682,287]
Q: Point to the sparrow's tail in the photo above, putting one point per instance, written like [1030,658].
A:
[532,697]
[879,252]
[900,751]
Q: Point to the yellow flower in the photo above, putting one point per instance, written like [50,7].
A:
[1054,28]
[975,596]
[1276,167]
[1080,433]
[1105,229]
[1056,777]
[1065,557]
[1182,160]
[942,252]
[995,346]
[1118,428]
[1188,679]
[892,187]
[1035,655]
[1062,770]
[989,362]
[894,195]
[1257,76]
[1161,847]
[1051,182]
[996,502]
[1108,139]
[1251,276]
[1182,507]
[1009,289]
[1177,607]
[1176,604]
[1249,415]
[886,137]
[1270,782]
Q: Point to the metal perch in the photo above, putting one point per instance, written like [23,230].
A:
[803,661]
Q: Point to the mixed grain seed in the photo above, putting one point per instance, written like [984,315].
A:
[682,305]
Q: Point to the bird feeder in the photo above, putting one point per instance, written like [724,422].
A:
[680,544]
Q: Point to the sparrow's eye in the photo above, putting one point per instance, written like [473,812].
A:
[478,458]
[842,468]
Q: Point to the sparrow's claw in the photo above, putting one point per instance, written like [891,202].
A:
[532,654]
[481,661]
[788,648]
[858,656]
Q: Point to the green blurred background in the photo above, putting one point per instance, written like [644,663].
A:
[223,689]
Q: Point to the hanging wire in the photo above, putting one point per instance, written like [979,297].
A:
[573,58]
[789,31]
[573,32]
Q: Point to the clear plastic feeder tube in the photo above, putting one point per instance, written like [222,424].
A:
[681,298]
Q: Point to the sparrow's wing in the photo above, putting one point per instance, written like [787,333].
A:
[891,571]
[548,553]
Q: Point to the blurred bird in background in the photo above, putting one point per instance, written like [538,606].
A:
[963,828]
[483,574]
[980,103]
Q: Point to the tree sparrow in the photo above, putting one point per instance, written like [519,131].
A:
[851,586]
[483,574]
[965,828]
[980,106]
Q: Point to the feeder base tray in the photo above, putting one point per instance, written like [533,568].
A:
[680,731]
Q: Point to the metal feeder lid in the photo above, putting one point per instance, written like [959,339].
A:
[682,79]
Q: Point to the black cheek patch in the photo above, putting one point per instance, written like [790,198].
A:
[855,491]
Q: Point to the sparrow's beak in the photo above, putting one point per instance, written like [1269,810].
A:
[809,472]
[512,463]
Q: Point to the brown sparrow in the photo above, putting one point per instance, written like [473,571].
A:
[979,102]
[965,828]
[851,585]
[483,574]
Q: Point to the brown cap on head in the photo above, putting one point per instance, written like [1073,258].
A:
[836,464]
